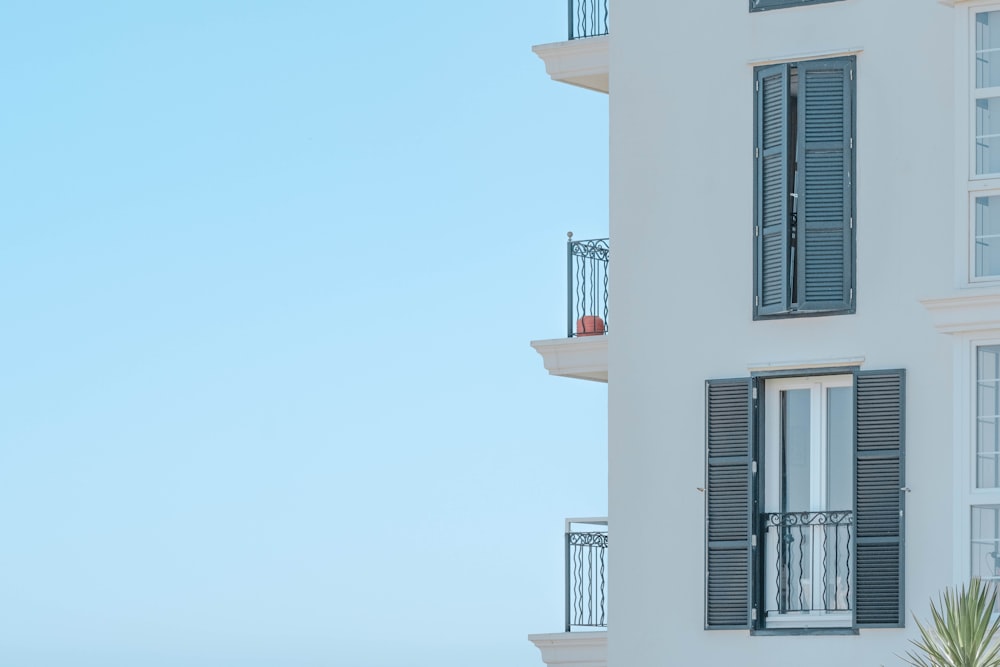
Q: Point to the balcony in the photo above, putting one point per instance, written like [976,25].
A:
[808,569]
[583,354]
[582,60]
[584,642]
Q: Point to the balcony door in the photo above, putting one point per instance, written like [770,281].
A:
[808,494]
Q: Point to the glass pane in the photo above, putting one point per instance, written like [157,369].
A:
[986,542]
[988,417]
[840,448]
[987,49]
[987,236]
[795,446]
[988,135]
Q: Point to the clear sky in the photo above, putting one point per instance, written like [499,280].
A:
[268,273]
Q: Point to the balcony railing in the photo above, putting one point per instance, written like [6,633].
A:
[808,562]
[587,287]
[588,18]
[586,574]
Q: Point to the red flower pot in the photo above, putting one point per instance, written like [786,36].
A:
[589,325]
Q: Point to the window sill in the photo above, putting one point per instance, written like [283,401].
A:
[784,632]
[810,621]
[755,6]
[795,314]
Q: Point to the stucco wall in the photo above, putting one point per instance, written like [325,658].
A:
[681,227]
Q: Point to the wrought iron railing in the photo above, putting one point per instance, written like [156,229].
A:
[588,18]
[587,287]
[809,561]
[586,574]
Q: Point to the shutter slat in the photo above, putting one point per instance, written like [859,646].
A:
[879,478]
[727,504]
[824,158]
[771,191]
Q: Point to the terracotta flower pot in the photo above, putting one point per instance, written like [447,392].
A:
[589,325]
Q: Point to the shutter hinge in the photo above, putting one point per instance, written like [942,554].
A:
[852,142]
[753,467]
[756,151]
[753,541]
[852,75]
[852,222]
[756,84]
[756,230]
[753,613]
[754,394]
[756,300]
[852,294]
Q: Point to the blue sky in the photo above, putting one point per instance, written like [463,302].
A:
[268,273]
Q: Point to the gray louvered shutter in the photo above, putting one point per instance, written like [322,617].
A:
[879,474]
[771,194]
[727,504]
[824,185]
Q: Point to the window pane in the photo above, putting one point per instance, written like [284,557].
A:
[988,417]
[840,448]
[987,236]
[988,135]
[795,446]
[986,541]
[987,49]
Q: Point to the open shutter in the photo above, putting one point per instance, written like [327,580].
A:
[771,193]
[727,504]
[879,475]
[824,185]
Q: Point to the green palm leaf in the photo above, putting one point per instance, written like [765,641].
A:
[962,630]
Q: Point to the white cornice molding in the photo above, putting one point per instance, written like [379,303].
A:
[964,313]
[836,362]
[809,55]
[589,46]
[580,62]
[957,3]
[573,649]
[584,357]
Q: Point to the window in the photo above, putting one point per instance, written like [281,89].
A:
[985,526]
[987,94]
[807,522]
[984,167]
[763,5]
[804,188]
[804,502]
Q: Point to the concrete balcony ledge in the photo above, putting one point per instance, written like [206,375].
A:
[578,62]
[584,358]
[573,649]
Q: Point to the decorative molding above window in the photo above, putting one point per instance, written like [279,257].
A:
[806,364]
[964,313]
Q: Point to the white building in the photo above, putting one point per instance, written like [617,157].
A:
[803,330]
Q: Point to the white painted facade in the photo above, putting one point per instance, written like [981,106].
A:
[680,80]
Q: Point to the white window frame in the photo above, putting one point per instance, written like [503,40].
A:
[965,410]
[971,184]
[975,194]
[818,386]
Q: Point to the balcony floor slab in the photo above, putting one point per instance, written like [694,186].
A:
[584,358]
[579,62]
[573,649]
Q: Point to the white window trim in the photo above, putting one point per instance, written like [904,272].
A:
[968,183]
[978,189]
[964,429]
[817,384]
